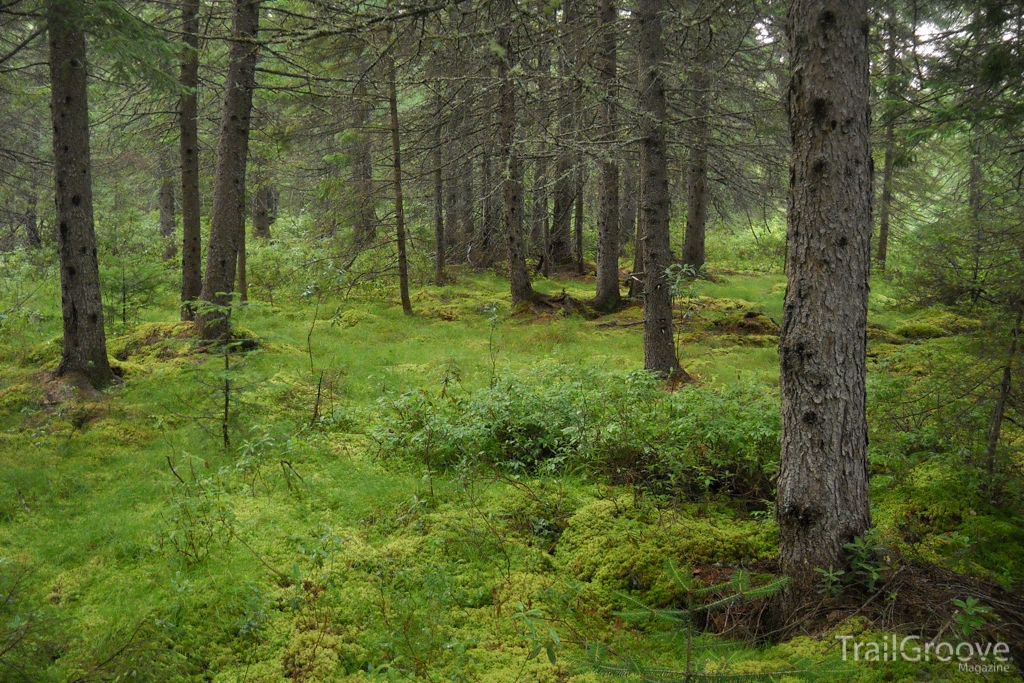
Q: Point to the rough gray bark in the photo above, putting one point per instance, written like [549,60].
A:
[188,130]
[823,475]
[1003,395]
[659,344]
[627,205]
[697,177]
[168,222]
[607,295]
[227,218]
[581,181]
[84,354]
[396,165]
[512,175]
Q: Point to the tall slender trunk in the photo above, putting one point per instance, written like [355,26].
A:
[581,181]
[32,238]
[84,354]
[697,177]
[396,163]
[636,277]
[512,175]
[627,206]
[975,200]
[365,218]
[565,164]
[227,218]
[439,241]
[168,221]
[188,130]
[999,410]
[822,500]
[607,295]
[890,153]
[659,344]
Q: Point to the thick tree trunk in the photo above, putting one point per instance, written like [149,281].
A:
[364,227]
[188,126]
[697,177]
[396,164]
[512,175]
[227,219]
[168,221]
[84,354]
[659,344]
[607,295]
[823,475]
[264,211]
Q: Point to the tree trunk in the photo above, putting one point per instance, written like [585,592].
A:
[697,177]
[975,200]
[32,238]
[890,152]
[822,499]
[227,218]
[659,344]
[999,410]
[365,220]
[578,220]
[439,242]
[168,221]
[565,164]
[188,125]
[627,206]
[512,175]
[396,152]
[242,272]
[607,295]
[636,277]
[263,211]
[84,354]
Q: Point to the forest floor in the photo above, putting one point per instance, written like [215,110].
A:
[136,537]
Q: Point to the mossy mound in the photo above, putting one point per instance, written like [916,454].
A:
[615,545]
[751,322]
[150,342]
[721,305]
[919,330]
[880,334]
[353,317]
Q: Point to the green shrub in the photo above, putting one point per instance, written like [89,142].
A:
[623,427]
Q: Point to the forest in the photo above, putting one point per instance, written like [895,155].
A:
[563,341]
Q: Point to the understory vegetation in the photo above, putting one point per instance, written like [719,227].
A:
[474,492]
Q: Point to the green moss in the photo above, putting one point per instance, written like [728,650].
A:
[618,546]
[919,330]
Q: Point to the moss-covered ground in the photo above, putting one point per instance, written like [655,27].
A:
[136,544]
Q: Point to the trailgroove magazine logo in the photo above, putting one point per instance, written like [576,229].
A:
[974,657]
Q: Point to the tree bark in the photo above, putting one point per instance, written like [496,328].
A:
[659,344]
[822,499]
[227,218]
[999,410]
[396,152]
[697,177]
[890,153]
[168,221]
[263,211]
[565,164]
[188,127]
[581,181]
[439,242]
[32,238]
[84,354]
[607,296]
[365,224]
[512,175]
[627,206]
